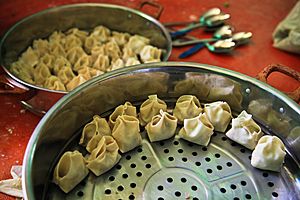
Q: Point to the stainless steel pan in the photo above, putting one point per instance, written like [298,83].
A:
[171,169]
[83,16]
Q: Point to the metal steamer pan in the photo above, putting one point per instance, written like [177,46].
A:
[84,16]
[174,168]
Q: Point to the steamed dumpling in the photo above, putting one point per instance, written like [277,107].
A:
[187,106]
[161,127]
[219,114]
[104,156]
[150,108]
[70,170]
[126,109]
[268,154]
[197,130]
[245,131]
[76,81]
[98,126]
[54,83]
[150,53]
[137,43]
[127,132]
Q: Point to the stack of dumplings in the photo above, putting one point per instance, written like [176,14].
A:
[120,132]
[65,60]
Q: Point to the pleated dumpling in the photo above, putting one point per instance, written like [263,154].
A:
[161,127]
[101,63]
[88,72]
[41,46]
[112,50]
[187,106]
[132,61]
[72,41]
[127,132]
[54,83]
[30,57]
[98,126]
[102,33]
[47,60]
[90,43]
[65,75]
[104,156]
[56,49]
[119,63]
[137,43]
[23,71]
[83,61]
[150,108]
[41,73]
[70,170]
[126,109]
[245,131]
[197,130]
[150,53]
[120,38]
[78,33]
[268,154]
[76,81]
[59,63]
[219,114]
[74,54]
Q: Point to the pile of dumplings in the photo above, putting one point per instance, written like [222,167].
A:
[66,60]
[105,138]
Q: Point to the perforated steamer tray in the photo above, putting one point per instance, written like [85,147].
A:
[172,169]
[177,169]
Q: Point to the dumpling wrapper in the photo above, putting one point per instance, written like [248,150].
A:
[161,127]
[126,109]
[98,126]
[268,154]
[127,132]
[245,131]
[104,156]
[70,170]
[219,114]
[197,130]
[150,108]
[187,106]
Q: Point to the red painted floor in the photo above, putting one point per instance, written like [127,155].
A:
[261,18]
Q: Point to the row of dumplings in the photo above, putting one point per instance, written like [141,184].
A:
[103,139]
[66,60]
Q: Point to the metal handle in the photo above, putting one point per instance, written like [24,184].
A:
[159,7]
[263,75]
[10,86]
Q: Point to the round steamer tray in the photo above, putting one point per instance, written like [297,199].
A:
[177,169]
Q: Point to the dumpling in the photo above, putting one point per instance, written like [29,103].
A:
[74,54]
[245,131]
[83,61]
[101,33]
[76,81]
[22,71]
[137,43]
[57,36]
[54,83]
[56,49]
[187,106]
[132,61]
[41,73]
[72,41]
[197,130]
[104,156]
[219,114]
[126,109]
[126,132]
[119,63]
[47,60]
[41,47]
[102,63]
[150,53]
[120,38]
[70,170]
[88,72]
[96,51]
[112,50]
[66,75]
[60,63]
[91,42]
[30,57]
[128,53]
[78,33]
[98,126]
[268,154]
[150,108]
[161,127]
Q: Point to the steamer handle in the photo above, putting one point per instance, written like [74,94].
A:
[156,5]
[10,86]
[263,75]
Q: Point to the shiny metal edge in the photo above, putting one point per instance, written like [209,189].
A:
[148,17]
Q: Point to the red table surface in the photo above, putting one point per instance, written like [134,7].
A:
[259,17]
